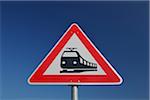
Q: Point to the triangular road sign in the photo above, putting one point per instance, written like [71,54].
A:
[74,60]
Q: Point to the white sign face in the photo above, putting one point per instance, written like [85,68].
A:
[74,42]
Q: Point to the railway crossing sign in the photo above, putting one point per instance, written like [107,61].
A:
[74,60]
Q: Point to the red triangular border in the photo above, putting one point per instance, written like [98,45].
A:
[111,77]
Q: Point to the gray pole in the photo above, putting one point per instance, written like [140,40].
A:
[74,92]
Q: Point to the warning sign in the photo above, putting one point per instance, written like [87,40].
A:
[75,60]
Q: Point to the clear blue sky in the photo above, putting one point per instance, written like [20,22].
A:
[30,29]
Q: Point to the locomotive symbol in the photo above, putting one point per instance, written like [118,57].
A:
[72,62]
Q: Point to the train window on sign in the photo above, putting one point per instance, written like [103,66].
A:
[93,65]
[88,63]
[81,60]
[70,54]
[84,62]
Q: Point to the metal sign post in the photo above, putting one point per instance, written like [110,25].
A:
[74,92]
